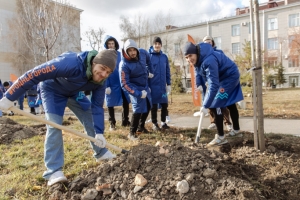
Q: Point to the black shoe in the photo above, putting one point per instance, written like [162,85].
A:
[165,126]
[143,130]
[126,123]
[33,113]
[155,127]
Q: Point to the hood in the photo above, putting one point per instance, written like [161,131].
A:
[128,44]
[152,51]
[205,50]
[108,37]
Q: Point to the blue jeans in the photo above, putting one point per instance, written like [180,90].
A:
[0,113]
[53,147]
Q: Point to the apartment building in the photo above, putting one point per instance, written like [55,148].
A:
[10,41]
[279,25]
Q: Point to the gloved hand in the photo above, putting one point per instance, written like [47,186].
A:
[101,142]
[168,89]
[200,88]
[107,90]
[150,75]
[5,104]
[204,110]
[144,94]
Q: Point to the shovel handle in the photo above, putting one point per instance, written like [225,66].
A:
[69,130]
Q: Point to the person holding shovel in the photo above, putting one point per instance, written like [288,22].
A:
[224,90]
[62,81]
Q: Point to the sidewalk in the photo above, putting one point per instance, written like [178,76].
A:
[281,126]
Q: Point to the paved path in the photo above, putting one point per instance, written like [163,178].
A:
[282,126]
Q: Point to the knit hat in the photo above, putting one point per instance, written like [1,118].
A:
[190,48]
[157,39]
[207,38]
[107,57]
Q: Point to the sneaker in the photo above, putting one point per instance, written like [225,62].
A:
[33,113]
[165,126]
[234,133]
[132,137]
[57,177]
[217,141]
[126,123]
[112,127]
[155,127]
[11,113]
[143,130]
[168,119]
[212,126]
[229,127]
[107,156]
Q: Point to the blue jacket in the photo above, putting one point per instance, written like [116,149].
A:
[1,90]
[162,78]
[222,75]
[134,79]
[62,78]
[113,81]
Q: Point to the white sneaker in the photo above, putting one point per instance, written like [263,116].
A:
[217,141]
[108,155]
[57,177]
[234,133]
[168,119]
[212,126]
[229,127]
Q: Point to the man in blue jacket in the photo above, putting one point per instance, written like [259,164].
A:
[224,90]
[160,84]
[114,95]
[135,68]
[62,81]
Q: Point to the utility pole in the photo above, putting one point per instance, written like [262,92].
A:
[258,80]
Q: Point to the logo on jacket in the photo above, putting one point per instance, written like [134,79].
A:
[221,94]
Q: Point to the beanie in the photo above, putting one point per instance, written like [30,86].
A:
[107,57]
[190,48]
[157,39]
[207,38]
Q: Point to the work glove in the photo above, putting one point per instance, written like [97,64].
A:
[150,75]
[144,94]
[101,142]
[168,89]
[5,104]
[200,88]
[204,110]
[107,90]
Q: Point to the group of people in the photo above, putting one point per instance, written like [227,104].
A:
[33,100]
[84,81]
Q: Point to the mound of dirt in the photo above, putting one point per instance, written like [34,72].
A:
[11,130]
[191,171]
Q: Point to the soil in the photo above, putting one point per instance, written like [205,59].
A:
[232,171]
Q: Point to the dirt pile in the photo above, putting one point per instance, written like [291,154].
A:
[11,130]
[156,172]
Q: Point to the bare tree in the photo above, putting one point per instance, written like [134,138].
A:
[127,28]
[95,37]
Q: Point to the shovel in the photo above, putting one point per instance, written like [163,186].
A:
[196,114]
[21,112]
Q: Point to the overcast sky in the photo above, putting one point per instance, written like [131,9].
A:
[106,13]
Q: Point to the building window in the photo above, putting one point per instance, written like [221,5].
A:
[294,81]
[294,20]
[218,42]
[291,40]
[235,30]
[236,48]
[188,84]
[272,24]
[272,43]
[294,61]
[165,49]
[272,61]
[177,49]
